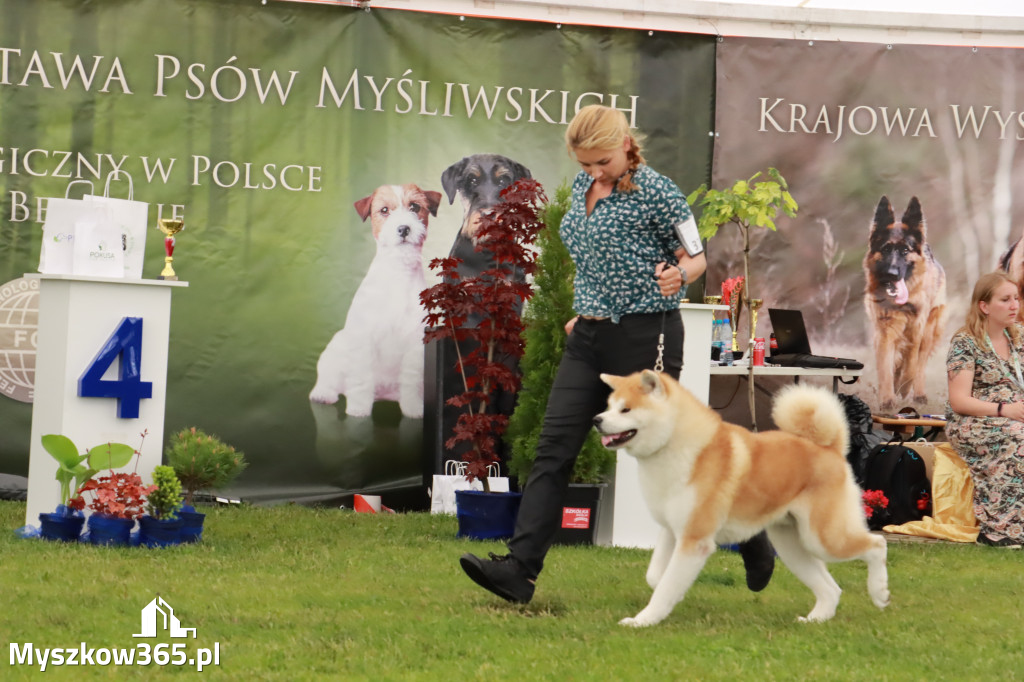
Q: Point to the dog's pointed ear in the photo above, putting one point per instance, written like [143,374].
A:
[913,217]
[363,207]
[884,218]
[450,178]
[433,201]
[1011,261]
[884,215]
[611,380]
[650,382]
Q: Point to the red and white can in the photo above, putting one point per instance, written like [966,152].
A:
[758,352]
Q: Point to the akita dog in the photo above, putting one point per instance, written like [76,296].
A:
[707,482]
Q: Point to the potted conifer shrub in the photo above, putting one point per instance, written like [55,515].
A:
[162,525]
[494,298]
[201,462]
[544,335]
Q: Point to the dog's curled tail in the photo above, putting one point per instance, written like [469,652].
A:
[813,413]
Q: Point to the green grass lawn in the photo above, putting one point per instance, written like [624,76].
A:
[292,593]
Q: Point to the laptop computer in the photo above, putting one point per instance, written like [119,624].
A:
[795,348]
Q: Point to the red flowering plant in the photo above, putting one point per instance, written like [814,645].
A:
[116,494]
[482,314]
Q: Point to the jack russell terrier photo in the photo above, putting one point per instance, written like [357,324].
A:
[378,355]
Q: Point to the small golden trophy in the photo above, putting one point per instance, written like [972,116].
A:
[755,303]
[170,228]
[713,300]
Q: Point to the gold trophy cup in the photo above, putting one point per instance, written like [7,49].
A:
[170,228]
[713,300]
[755,303]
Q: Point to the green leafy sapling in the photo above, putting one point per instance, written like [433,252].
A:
[73,467]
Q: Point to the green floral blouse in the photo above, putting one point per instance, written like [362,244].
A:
[617,247]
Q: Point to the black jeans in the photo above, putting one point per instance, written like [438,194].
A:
[577,396]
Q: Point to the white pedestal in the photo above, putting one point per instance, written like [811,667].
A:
[77,316]
[631,523]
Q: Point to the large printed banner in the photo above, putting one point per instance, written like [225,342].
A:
[319,157]
[905,166]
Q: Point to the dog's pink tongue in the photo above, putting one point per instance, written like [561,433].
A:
[605,440]
[901,292]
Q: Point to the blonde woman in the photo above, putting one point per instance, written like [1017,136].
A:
[985,413]
[631,268]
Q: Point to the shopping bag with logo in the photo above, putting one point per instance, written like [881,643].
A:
[57,253]
[98,248]
[131,218]
[443,487]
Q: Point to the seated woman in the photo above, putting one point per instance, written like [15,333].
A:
[985,412]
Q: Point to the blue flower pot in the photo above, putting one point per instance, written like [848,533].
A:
[154,532]
[486,516]
[61,526]
[191,524]
[109,530]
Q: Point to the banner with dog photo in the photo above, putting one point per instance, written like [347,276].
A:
[906,165]
[319,157]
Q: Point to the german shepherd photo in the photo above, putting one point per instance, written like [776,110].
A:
[905,298]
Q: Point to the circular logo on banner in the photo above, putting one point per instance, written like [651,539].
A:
[19,324]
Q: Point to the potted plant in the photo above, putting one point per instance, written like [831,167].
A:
[118,499]
[494,298]
[544,336]
[747,203]
[162,525]
[67,521]
[200,462]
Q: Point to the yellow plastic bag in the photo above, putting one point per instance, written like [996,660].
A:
[952,501]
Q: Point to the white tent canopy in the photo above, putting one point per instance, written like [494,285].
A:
[943,22]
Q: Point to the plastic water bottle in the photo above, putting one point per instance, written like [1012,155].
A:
[725,342]
[716,336]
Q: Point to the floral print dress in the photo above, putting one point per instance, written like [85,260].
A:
[992,447]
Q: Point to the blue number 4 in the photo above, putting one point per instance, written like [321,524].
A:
[129,389]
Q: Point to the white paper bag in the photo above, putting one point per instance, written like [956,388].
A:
[98,248]
[131,218]
[443,487]
[57,254]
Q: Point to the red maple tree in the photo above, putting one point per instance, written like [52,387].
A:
[482,314]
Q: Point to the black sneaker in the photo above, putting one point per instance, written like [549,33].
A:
[1002,542]
[758,560]
[502,575]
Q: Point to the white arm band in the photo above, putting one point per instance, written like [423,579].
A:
[687,233]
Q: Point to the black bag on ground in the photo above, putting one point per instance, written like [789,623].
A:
[858,418]
[899,472]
